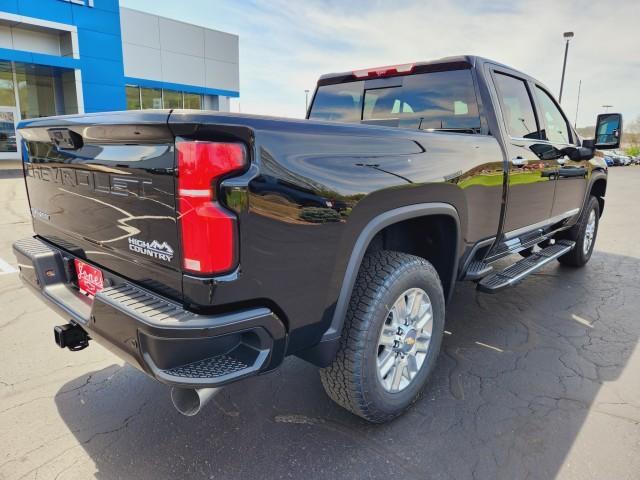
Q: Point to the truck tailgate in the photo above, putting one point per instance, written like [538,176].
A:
[103,188]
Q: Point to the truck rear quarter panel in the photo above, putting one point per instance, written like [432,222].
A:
[312,189]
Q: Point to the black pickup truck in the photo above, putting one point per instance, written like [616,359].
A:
[204,247]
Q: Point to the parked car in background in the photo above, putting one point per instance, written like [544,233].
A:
[619,159]
[615,159]
[608,160]
[624,158]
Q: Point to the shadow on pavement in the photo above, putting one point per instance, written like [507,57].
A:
[11,173]
[516,379]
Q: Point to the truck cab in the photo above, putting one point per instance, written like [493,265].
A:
[542,171]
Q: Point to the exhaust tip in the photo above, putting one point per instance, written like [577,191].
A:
[189,401]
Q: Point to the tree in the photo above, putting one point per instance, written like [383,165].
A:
[634,127]
[631,132]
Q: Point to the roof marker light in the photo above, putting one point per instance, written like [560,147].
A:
[380,72]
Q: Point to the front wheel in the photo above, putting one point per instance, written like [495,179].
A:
[391,337]
[584,234]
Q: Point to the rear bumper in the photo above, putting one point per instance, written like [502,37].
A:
[152,333]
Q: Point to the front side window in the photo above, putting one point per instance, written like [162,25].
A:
[517,108]
[557,127]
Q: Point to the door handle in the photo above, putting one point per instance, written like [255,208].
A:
[518,161]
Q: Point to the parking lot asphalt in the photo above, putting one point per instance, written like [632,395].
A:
[541,381]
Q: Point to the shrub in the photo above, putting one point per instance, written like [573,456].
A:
[633,150]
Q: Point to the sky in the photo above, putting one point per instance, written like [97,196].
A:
[285,45]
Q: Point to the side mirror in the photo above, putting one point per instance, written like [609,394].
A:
[608,131]
[578,153]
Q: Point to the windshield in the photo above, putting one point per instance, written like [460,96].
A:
[437,100]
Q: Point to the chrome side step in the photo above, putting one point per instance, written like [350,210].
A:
[515,273]
[477,269]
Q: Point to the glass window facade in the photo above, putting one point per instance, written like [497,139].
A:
[8,142]
[193,101]
[172,99]
[7,91]
[133,97]
[151,97]
[32,91]
[142,97]
[36,90]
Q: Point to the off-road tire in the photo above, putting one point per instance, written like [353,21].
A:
[352,379]
[577,256]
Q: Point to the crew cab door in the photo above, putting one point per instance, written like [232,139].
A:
[572,175]
[532,168]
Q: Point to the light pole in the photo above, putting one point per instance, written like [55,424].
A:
[606,108]
[575,122]
[306,102]
[568,36]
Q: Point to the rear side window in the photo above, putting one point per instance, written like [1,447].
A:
[341,102]
[517,108]
[557,130]
[437,100]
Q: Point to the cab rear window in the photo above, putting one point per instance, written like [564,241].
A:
[340,102]
[436,100]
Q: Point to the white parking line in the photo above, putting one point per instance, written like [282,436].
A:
[5,268]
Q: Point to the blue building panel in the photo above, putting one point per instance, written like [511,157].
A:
[108,5]
[10,6]
[38,58]
[100,59]
[100,45]
[104,98]
[88,18]
[52,10]
[144,82]
[96,70]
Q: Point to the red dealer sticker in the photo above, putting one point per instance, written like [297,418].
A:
[89,278]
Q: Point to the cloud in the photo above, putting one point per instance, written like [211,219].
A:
[285,46]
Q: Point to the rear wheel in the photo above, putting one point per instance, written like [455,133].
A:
[584,234]
[391,337]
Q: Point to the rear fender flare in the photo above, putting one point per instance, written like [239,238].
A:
[374,226]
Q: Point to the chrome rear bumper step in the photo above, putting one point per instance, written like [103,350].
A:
[515,273]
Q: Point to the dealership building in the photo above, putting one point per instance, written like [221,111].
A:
[60,57]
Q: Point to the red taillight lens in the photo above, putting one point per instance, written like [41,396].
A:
[209,243]
[379,72]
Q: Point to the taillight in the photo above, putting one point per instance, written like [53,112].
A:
[379,72]
[209,231]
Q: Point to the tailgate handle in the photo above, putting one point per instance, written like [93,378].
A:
[65,139]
